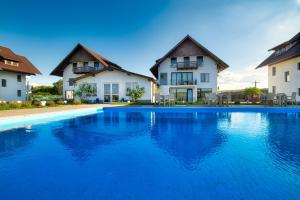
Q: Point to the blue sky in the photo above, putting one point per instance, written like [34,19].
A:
[135,33]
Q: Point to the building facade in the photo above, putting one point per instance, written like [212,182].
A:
[13,72]
[284,68]
[188,70]
[110,81]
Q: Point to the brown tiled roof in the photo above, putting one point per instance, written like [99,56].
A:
[290,53]
[25,66]
[220,63]
[111,68]
[58,71]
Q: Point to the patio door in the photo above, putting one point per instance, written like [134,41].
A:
[111,92]
[189,95]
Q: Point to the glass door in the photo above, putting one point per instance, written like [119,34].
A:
[190,95]
[111,92]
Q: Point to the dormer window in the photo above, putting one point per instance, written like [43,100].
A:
[173,61]
[186,59]
[299,66]
[74,66]
[12,63]
[85,64]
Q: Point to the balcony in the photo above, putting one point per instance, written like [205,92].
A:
[178,82]
[187,65]
[85,69]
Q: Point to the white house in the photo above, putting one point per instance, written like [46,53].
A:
[13,71]
[284,67]
[110,81]
[188,70]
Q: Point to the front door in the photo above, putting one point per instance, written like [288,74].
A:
[189,95]
[111,92]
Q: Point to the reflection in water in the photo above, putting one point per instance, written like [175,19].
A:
[12,140]
[189,137]
[85,134]
[284,137]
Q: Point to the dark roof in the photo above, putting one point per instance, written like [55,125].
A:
[220,63]
[111,68]
[285,54]
[25,66]
[58,71]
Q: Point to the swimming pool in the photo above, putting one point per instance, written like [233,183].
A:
[155,154]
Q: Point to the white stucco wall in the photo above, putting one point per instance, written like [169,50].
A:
[9,93]
[279,80]
[208,66]
[121,78]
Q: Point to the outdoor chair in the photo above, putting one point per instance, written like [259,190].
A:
[292,98]
[211,98]
[270,99]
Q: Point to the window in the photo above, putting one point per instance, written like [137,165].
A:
[19,93]
[186,59]
[96,64]
[204,77]
[199,60]
[69,94]
[19,77]
[163,79]
[173,61]
[201,93]
[273,71]
[130,85]
[85,64]
[274,89]
[299,91]
[74,65]
[71,82]
[111,92]
[12,63]
[181,78]
[287,76]
[3,82]
[299,66]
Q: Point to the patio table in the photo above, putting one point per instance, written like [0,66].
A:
[281,98]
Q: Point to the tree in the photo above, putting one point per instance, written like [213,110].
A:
[136,93]
[85,90]
[58,87]
[252,93]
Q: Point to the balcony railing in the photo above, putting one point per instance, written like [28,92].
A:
[178,82]
[187,65]
[85,69]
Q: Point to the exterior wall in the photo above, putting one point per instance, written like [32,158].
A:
[208,66]
[68,74]
[9,93]
[121,78]
[279,80]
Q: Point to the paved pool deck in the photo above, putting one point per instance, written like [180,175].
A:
[31,111]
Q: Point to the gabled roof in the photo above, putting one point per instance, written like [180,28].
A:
[112,69]
[58,71]
[284,51]
[25,66]
[220,63]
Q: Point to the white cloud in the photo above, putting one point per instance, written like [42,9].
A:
[232,80]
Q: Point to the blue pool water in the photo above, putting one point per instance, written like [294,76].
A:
[136,154]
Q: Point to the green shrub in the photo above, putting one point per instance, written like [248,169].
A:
[37,103]
[237,102]
[50,103]
[60,102]
[77,101]
[14,104]
[26,104]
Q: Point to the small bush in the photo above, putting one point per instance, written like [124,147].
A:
[50,103]
[77,101]
[14,104]
[26,104]
[37,103]
[237,102]
[60,102]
